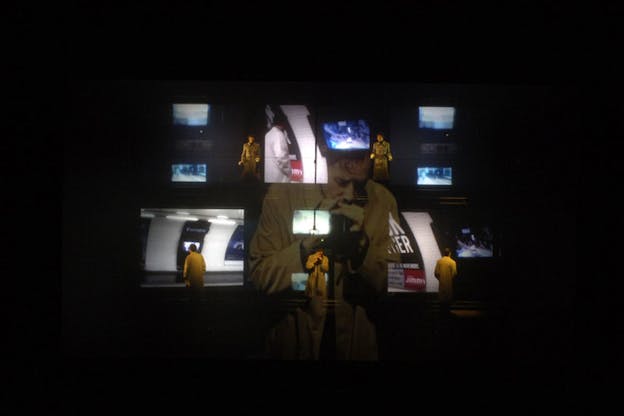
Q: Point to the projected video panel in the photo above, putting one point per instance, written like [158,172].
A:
[289,145]
[308,221]
[347,134]
[422,236]
[437,118]
[217,233]
[434,176]
[474,241]
[290,152]
[425,136]
[188,172]
[209,133]
[412,238]
[190,114]
[190,121]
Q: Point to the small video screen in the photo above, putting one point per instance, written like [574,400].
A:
[437,118]
[190,114]
[310,222]
[188,172]
[347,135]
[187,244]
[434,176]
[474,242]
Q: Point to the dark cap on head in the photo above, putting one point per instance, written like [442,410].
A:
[280,119]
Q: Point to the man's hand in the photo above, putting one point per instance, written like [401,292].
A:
[354,212]
[240,162]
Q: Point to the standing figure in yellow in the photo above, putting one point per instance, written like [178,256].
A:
[318,264]
[250,157]
[381,155]
[194,270]
[445,272]
[316,290]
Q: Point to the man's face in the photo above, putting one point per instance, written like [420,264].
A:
[250,139]
[345,177]
[379,138]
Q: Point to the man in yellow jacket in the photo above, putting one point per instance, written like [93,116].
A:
[318,264]
[194,268]
[445,271]
[381,155]
[250,157]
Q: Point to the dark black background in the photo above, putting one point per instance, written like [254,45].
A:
[535,53]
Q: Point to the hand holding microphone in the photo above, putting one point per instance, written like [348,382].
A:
[319,258]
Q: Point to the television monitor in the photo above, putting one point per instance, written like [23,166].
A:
[190,114]
[187,244]
[310,221]
[436,118]
[188,172]
[192,121]
[436,176]
[347,135]
[474,241]
[203,133]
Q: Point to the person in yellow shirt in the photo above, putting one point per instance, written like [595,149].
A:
[318,264]
[194,268]
[316,290]
[250,157]
[445,271]
[381,156]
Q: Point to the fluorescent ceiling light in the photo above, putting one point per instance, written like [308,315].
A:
[147,215]
[181,218]
[221,221]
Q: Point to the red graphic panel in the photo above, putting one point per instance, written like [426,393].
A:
[414,279]
[296,167]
